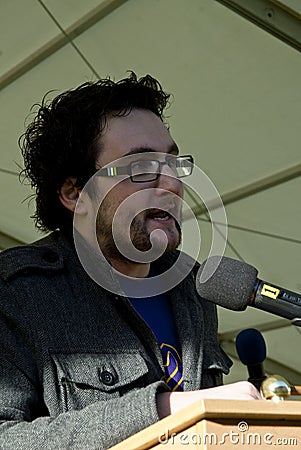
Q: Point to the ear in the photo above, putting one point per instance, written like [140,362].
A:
[69,195]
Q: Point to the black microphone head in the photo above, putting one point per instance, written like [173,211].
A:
[226,282]
[250,347]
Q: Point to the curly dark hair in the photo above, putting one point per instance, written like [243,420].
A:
[61,140]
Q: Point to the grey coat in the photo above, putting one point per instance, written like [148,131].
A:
[79,369]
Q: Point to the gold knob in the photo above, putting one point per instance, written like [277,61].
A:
[275,388]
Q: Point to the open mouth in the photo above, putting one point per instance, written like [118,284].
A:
[159,215]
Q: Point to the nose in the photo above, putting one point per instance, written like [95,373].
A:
[168,181]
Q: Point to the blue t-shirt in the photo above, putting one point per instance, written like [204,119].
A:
[156,312]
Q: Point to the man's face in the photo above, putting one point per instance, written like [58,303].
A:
[140,131]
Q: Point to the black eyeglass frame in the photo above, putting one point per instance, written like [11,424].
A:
[127,170]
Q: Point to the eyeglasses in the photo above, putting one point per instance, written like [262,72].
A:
[144,170]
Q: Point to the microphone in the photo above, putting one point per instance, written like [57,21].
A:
[251,349]
[234,285]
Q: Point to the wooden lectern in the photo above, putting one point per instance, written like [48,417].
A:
[224,424]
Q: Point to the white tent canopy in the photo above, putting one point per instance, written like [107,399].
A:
[236,108]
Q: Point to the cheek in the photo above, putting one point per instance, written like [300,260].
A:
[117,201]
[107,208]
[129,198]
[181,190]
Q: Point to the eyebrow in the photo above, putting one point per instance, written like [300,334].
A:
[173,148]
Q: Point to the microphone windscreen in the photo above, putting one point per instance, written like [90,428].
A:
[250,347]
[228,282]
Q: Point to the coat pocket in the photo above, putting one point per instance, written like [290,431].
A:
[215,364]
[84,378]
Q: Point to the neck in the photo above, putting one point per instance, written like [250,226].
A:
[129,269]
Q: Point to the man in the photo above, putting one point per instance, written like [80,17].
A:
[85,360]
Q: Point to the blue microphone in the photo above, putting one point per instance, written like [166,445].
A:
[251,349]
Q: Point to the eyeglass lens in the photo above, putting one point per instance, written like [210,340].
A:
[148,170]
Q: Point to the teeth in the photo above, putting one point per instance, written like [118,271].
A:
[159,215]
[161,218]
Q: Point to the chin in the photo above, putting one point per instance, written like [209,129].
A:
[174,240]
[140,235]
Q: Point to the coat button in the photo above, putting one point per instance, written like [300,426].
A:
[107,377]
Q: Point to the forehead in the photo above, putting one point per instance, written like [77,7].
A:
[140,129]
